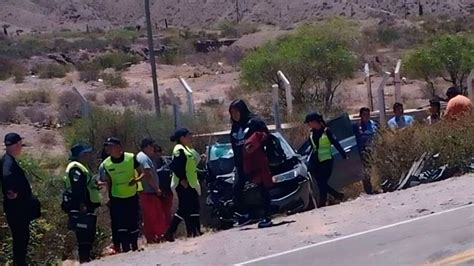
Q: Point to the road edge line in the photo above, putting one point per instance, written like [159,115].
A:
[354,235]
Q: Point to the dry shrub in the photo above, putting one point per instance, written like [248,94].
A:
[48,138]
[29,97]
[393,153]
[7,111]
[37,114]
[126,99]
[69,106]
[88,72]
[233,55]
[49,71]
[114,80]
[91,96]
[10,68]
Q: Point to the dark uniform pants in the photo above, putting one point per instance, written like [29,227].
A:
[188,211]
[84,225]
[20,229]
[321,172]
[125,217]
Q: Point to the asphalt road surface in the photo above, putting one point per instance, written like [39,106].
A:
[445,238]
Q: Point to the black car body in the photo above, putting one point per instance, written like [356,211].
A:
[291,193]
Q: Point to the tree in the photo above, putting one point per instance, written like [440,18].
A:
[316,65]
[449,56]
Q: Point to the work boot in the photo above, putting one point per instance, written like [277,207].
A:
[266,222]
[196,222]
[169,235]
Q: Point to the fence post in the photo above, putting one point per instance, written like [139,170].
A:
[368,80]
[276,107]
[470,89]
[289,95]
[189,94]
[176,112]
[398,82]
[85,107]
[381,98]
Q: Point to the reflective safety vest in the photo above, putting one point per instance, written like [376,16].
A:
[324,151]
[121,174]
[94,194]
[192,160]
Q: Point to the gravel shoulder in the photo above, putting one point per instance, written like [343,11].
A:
[364,213]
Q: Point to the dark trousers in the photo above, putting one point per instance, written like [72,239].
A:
[267,208]
[125,216]
[321,172]
[86,236]
[188,211]
[20,230]
[238,188]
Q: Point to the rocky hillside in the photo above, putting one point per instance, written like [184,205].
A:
[44,15]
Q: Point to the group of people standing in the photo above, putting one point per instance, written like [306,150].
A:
[138,186]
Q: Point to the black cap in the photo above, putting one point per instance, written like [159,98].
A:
[182,132]
[112,141]
[147,142]
[313,117]
[79,149]
[453,91]
[12,139]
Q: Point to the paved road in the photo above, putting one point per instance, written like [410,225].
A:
[445,238]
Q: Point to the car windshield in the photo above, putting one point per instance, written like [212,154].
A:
[220,150]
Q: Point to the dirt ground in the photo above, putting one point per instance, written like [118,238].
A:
[364,213]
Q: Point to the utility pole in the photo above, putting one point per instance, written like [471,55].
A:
[151,48]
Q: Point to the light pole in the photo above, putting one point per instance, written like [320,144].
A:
[151,48]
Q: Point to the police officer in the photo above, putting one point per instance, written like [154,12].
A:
[186,184]
[17,197]
[121,168]
[321,160]
[81,199]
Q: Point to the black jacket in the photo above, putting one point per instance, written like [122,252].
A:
[241,130]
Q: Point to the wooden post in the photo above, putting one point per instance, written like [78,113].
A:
[381,97]
[276,107]
[398,82]
[288,93]
[151,48]
[470,88]
[368,80]
[189,94]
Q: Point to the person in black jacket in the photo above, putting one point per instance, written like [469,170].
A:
[244,124]
[17,197]
[321,160]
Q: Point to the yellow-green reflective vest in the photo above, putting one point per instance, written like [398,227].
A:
[121,174]
[324,150]
[94,193]
[192,160]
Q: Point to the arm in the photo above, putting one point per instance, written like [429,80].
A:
[147,174]
[179,165]
[78,188]
[336,143]
[255,142]
[8,180]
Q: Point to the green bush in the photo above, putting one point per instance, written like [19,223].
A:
[393,153]
[114,80]
[232,29]
[49,71]
[387,35]
[117,60]
[51,242]
[121,37]
[88,71]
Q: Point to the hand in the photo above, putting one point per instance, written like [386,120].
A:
[100,184]
[184,183]
[83,208]
[203,157]
[158,192]
[134,181]
[12,195]
[248,147]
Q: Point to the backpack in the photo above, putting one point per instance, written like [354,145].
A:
[275,153]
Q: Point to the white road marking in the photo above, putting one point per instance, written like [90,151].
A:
[353,235]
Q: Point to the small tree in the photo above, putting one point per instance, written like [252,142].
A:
[448,56]
[315,65]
